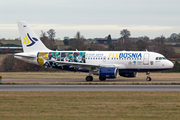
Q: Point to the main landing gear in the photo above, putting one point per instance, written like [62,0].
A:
[89,78]
[148,76]
[102,78]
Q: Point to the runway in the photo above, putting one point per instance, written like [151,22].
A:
[25,88]
[78,80]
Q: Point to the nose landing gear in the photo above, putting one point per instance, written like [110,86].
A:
[148,76]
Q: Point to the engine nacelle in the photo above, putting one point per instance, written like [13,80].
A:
[108,72]
[128,74]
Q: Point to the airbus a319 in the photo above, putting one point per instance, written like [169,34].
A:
[105,64]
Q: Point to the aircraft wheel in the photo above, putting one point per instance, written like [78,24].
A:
[102,78]
[89,78]
[148,78]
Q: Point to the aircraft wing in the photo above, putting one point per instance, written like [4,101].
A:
[90,65]
[76,64]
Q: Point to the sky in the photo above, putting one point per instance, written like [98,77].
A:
[92,18]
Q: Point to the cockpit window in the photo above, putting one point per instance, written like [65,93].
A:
[164,58]
[160,58]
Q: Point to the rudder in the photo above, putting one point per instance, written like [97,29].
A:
[29,40]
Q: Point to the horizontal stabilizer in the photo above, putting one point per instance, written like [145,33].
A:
[25,55]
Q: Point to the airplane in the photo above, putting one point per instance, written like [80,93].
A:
[105,64]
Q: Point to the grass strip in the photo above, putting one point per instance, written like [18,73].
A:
[90,105]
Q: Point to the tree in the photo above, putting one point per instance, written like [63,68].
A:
[9,64]
[66,41]
[166,50]
[162,39]
[118,46]
[179,37]
[111,47]
[93,47]
[77,42]
[142,45]
[128,45]
[159,40]
[43,34]
[176,67]
[125,34]
[51,33]
[174,37]
[49,43]
[144,38]
[109,39]
[179,34]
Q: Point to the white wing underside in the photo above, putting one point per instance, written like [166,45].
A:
[89,66]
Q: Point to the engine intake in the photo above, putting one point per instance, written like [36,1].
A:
[108,73]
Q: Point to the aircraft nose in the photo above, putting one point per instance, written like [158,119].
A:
[171,65]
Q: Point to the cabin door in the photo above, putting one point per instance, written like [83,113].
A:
[146,59]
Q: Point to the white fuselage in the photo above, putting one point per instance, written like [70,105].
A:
[126,60]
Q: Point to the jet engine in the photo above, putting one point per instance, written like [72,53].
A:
[128,74]
[108,72]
